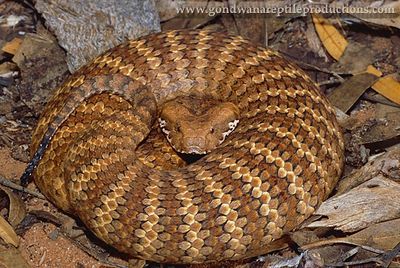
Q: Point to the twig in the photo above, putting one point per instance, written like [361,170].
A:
[337,241]
[330,82]
[347,255]
[379,99]
[384,259]
[98,256]
[12,185]
[348,263]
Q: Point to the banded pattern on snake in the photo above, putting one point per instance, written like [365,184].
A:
[265,179]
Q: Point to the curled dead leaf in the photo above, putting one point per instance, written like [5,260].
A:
[16,210]
[7,233]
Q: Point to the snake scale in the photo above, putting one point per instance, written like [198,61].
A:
[264,180]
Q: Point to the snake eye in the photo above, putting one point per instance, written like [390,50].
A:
[212,130]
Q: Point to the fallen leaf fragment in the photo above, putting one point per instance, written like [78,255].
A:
[371,202]
[12,46]
[12,258]
[355,59]
[388,87]
[16,211]
[384,236]
[344,96]
[32,45]
[331,38]
[7,233]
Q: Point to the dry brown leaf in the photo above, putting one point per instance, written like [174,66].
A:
[33,44]
[388,87]
[305,236]
[7,233]
[355,59]
[348,93]
[384,236]
[12,258]
[371,202]
[332,39]
[16,211]
[12,46]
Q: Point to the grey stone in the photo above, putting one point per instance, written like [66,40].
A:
[85,29]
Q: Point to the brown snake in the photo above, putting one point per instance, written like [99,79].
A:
[265,179]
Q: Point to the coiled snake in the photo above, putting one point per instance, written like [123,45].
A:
[270,174]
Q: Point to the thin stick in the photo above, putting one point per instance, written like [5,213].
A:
[330,82]
[14,186]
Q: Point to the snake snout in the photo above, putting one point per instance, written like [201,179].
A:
[194,145]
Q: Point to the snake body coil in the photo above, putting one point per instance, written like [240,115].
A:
[266,178]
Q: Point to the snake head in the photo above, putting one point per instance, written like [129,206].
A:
[197,126]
